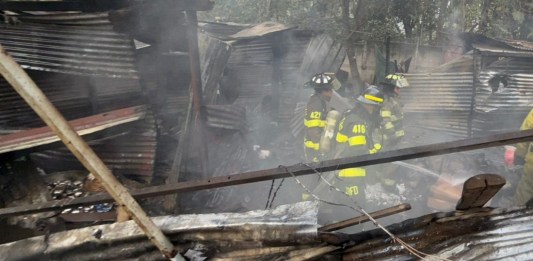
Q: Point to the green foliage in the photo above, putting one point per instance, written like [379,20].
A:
[377,19]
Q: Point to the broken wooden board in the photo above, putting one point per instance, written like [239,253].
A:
[478,190]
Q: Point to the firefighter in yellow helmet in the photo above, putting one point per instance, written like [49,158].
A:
[391,112]
[315,113]
[355,136]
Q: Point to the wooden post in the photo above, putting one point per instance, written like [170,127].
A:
[28,90]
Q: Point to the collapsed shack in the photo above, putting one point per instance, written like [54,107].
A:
[121,75]
[253,77]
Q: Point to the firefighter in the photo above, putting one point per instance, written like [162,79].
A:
[391,128]
[524,155]
[315,114]
[355,135]
[391,112]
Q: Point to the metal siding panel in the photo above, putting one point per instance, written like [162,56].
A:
[439,101]
[71,50]
[504,109]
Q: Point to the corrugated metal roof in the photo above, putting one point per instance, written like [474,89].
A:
[64,18]
[70,49]
[259,30]
[492,235]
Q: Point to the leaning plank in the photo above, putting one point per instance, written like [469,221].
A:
[37,100]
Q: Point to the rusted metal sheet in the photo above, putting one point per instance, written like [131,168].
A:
[221,30]
[259,30]
[126,151]
[223,234]
[44,135]
[70,49]
[486,235]
[74,96]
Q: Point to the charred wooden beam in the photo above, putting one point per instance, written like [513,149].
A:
[478,190]
[100,5]
[285,172]
[362,219]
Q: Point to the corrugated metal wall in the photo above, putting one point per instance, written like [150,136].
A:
[251,66]
[439,101]
[501,108]
[69,49]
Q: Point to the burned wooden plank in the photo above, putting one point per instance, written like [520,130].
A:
[478,190]
[285,172]
[362,219]
[83,126]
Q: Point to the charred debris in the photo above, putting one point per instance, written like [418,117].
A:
[173,105]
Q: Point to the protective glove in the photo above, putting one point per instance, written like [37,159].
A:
[509,156]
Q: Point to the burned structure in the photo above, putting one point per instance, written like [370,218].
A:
[171,105]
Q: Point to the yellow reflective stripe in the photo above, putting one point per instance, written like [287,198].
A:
[389,125]
[357,140]
[352,172]
[400,133]
[341,138]
[314,123]
[373,98]
[386,113]
[305,196]
[312,145]
[377,147]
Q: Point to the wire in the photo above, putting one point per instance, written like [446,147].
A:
[357,208]
[270,193]
[275,193]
